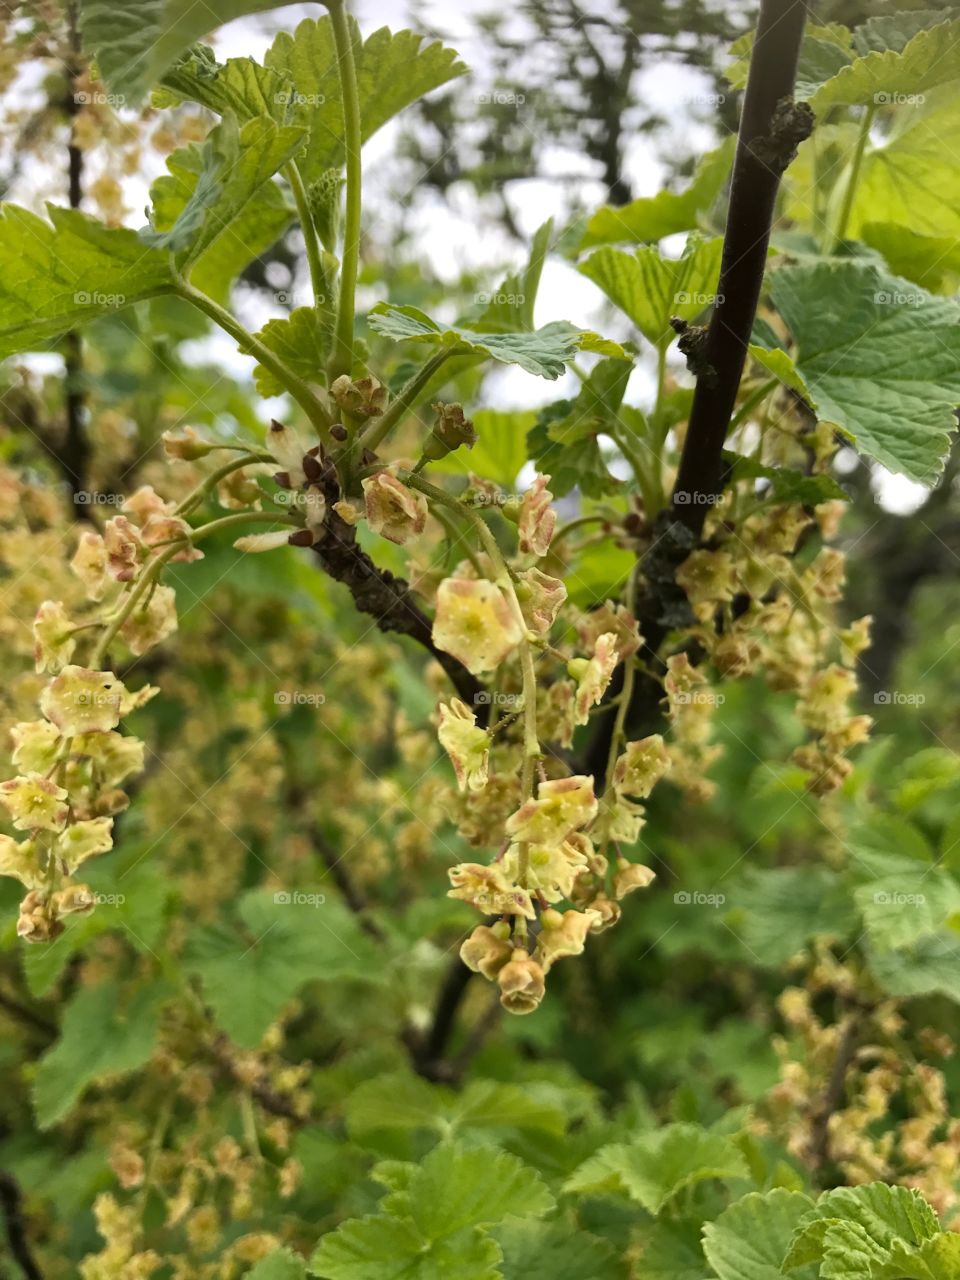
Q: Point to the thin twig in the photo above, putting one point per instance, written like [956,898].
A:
[11,1203]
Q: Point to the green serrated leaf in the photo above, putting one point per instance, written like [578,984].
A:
[750,1239]
[577,466]
[553,1251]
[511,307]
[384,1248]
[135,41]
[910,180]
[881,1214]
[103,1035]
[656,1166]
[302,340]
[777,911]
[786,484]
[457,1187]
[66,272]
[936,1259]
[544,352]
[201,201]
[650,218]
[394,69]
[880,357]
[282,1265]
[931,966]
[930,261]
[250,969]
[910,64]
[649,288]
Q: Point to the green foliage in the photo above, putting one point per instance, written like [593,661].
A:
[545,352]
[68,271]
[880,358]
[106,1033]
[267,955]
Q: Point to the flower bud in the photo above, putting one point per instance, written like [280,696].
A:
[450,432]
[363,398]
[521,983]
[485,952]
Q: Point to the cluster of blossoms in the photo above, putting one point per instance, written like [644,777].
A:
[892,1121]
[73,761]
[761,609]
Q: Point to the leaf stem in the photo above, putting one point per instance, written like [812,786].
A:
[250,344]
[342,360]
[854,178]
[405,399]
[295,179]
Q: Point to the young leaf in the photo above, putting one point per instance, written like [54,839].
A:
[135,41]
[302,340]
[209,188]
[936,1259]
[882,1214]
[650,218]
[649,288]
[379,1247]
[457,1187]
[544,352]
[655,1166]
[101,1037]
[552,1251]
[880,357]
[394,69]
[911,180]
[750,1239]
[904,67]
[66,272]
[576,466]
[511,307]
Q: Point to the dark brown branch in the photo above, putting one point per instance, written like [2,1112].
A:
[771,127]
[388,600]
[11,1202]
[341,877]
[834,1093]
[430,1055]
[74,453]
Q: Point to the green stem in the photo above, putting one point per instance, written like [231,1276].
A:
[251,345]
[310,238]
[854,178]
[342,359]
[648,477]
[151,570]
[578,523]
[757,396]
[209,482]
[406,398]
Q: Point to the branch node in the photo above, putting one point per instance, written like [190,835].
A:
[790,124]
